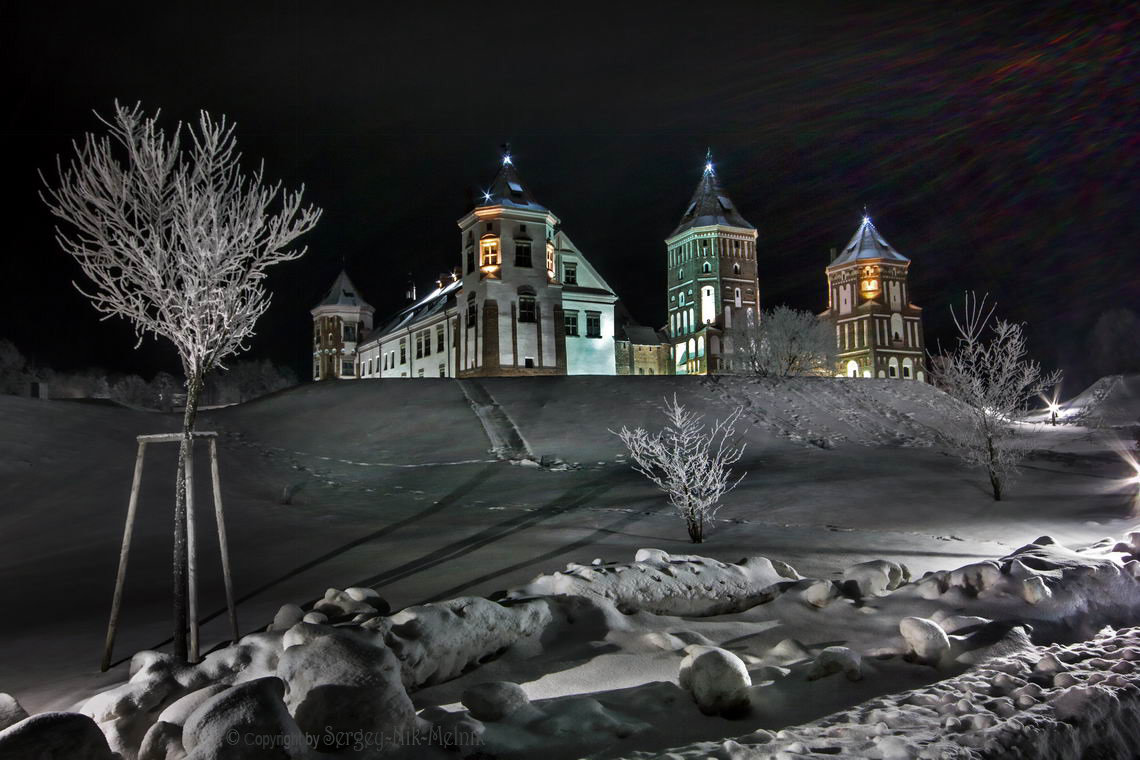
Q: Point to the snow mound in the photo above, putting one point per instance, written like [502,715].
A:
[665,584]
[11,712]
[1009,707]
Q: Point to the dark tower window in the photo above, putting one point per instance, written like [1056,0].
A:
[706,268]
[349,333]
[471,310]
[528,308]
[736,269]
[571,323]
[570,273]
[593,324]
[470,259]
[522,254]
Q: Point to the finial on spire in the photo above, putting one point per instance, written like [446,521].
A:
[708,161]
[506,154]
[866,216]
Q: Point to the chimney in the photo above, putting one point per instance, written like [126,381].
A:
[411,292]
[834,254]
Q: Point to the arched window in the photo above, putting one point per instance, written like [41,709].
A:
[853,368]
[908,368]
[692,348]
[736,269]
[896,326]
[706,267]
[701,346]
[681,299]
[921,377]
[708,305]
[893,367]
[736,297]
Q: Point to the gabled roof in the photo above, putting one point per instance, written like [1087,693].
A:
[867,243]
[430,305]
[343,293]
[710,205]
[508,189]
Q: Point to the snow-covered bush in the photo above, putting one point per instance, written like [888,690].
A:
[782,343]
[995,380]
[176,239]
[690,463]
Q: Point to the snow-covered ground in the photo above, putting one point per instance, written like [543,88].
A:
[391,487]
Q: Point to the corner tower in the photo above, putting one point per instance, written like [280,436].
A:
[340,322]
[510,318]
[712,282]
[878,331]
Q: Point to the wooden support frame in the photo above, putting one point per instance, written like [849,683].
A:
[191,543]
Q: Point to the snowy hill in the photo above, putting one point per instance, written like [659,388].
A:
[390,485]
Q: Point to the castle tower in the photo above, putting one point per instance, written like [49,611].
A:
[712,283]
[510,319]
[340,322]
[878,331]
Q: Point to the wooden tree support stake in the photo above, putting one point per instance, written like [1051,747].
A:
[191,544]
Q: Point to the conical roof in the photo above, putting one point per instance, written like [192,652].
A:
[343,293]
[710,205]
[867,243]
[508,189]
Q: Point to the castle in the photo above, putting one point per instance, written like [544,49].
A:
[525,300]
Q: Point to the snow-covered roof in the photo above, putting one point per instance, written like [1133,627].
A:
[867,243]
[508,189]
[343,293]
[433,303]
[710,205]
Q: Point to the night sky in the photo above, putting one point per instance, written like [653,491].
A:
[996,145]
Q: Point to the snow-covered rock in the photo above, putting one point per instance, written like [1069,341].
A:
[11,712]
[344,682]
[926,641]
[1034,590]
[877,577]
[717,679]
[787,652]
[665,584]
[287,617]
[494,700]
[439,641]
[820,593]
[340,604]
[836,660]
[54,736]
[976,577]
[178,711]
[163,741]
[230,725]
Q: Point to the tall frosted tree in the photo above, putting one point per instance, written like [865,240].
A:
[990,372]
[175,236]
[783,343]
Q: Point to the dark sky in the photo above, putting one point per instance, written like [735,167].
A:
[994,144]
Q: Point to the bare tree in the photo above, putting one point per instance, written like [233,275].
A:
[783,343]
[689,463]
[176,238]
[995,381]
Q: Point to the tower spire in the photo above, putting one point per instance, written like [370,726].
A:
[708,161]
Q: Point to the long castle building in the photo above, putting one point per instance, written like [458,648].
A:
[524,300]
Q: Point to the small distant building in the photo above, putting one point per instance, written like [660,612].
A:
[878,331]
[340,321]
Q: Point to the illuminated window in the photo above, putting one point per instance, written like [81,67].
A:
[593,324]
[570,273]
[489,252]
[571,323]
[522,254]
[550,270]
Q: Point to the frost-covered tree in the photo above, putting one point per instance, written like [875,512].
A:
[995,380]
[13,368]
[175,237]
[689,462]
[783,343]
